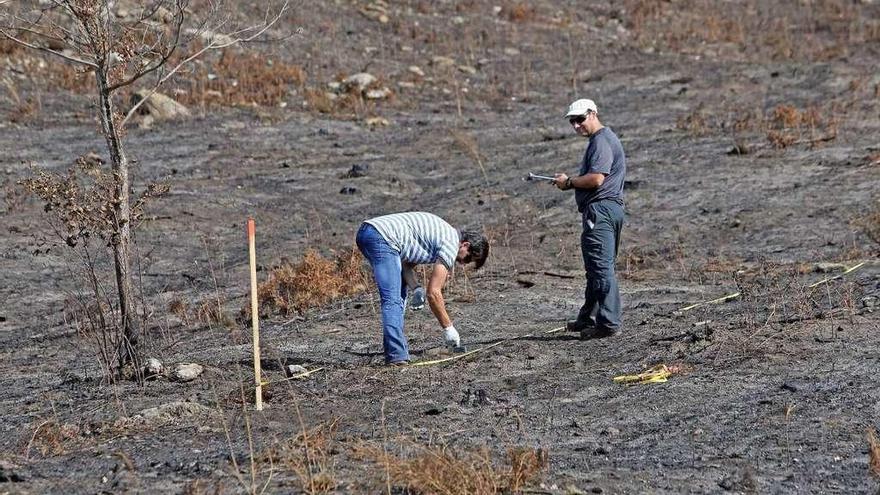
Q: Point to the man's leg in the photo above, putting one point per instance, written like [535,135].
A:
[586,317]
[387,272]
[599,246]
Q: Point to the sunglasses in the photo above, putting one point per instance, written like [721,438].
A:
[577,120]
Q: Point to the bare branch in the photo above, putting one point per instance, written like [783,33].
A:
[172,46]
[212,45]
[69,58]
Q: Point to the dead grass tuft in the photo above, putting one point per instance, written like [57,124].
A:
[240,78]
[441,469]
[51,438]
[310,456]
[520,12]
[210,312]
[873,453]
[314,281]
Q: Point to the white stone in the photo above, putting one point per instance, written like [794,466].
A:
[153,369]
[187,372]
[378,94]
[359,81]
[442,61]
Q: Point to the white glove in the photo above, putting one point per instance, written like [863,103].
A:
[418,298]
[450,334]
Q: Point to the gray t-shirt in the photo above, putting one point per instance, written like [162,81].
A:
[604,156]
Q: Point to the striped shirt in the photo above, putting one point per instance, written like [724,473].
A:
[419,237]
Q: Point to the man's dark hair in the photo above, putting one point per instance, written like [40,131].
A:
[479,247]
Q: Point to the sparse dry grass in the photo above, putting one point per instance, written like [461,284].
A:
[240,78]
[309,456]
[51,438]
[815,32]
[314,281]
[873,453]
[442,469]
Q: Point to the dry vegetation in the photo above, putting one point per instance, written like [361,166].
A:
[313,282]
[873,453]
[442,469]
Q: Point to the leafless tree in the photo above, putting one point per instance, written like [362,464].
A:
[147,45]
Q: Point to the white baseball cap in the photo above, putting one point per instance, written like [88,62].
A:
[581,107]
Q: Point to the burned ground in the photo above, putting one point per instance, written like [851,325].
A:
[753,169]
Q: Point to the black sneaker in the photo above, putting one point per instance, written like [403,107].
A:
[579,326]
[597,333]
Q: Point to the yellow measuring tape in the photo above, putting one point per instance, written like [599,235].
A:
[657,374]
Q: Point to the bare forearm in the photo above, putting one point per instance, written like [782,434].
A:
[588,181]
[438,307]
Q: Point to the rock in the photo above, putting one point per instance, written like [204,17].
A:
[441,61]
[869,301]
[11,473]
[406,84]
[377,94]
[357,170]
[334,85]
[295,369]
[434,410]
[348,190]
[377,122]
[511,51]
[416,71]
[153,369]
[187,372]
[359,81]
[467,69]
[158,106]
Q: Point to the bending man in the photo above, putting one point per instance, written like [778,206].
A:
[394,244]
[598,190]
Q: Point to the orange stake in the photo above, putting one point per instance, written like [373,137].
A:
[255,315]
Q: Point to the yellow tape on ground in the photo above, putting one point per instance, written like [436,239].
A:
[657,374]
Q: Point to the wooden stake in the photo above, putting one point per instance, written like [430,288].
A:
[255,315]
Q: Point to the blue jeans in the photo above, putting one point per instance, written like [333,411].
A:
[600,240]
[388,272]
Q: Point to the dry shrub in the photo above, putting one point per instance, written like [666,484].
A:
[50,438]
[210,312]
[520,12]
[787,125]
[314,281]
[441,469]
[239,77]
[180,309]
[873,453]
[310,456]
[695,123]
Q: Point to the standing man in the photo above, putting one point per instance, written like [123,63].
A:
[598,190]
[394,244]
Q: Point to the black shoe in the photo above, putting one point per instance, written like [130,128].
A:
[579,326]
[597,333]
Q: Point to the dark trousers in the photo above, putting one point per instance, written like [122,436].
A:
[600,241]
